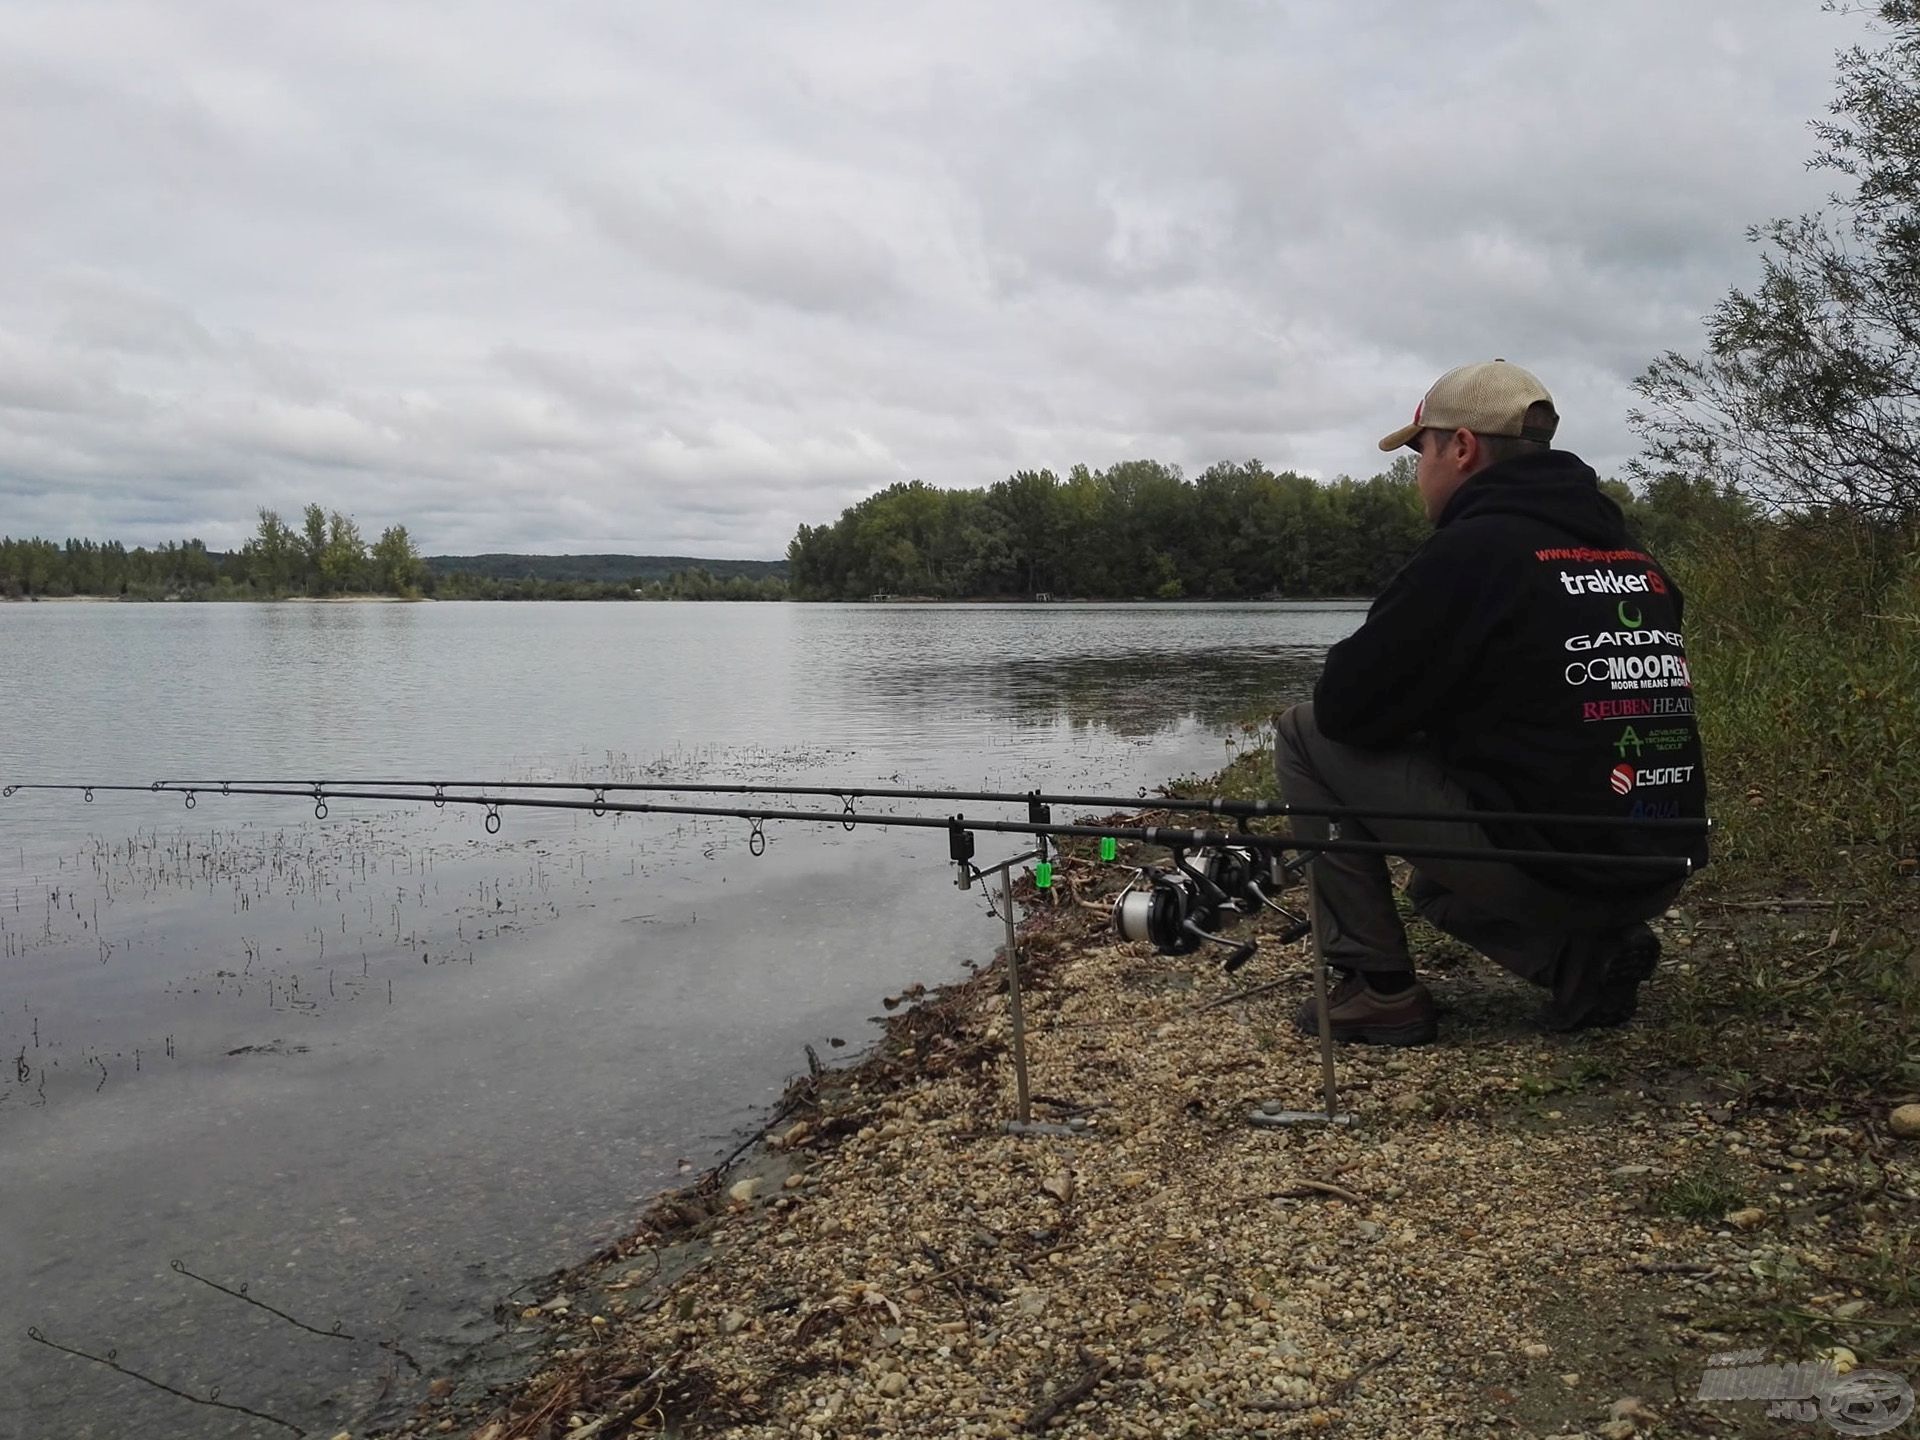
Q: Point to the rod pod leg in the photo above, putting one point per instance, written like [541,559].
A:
[1273,1115]
[1023,1122]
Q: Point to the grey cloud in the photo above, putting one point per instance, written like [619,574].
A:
[786,252]
[651,277]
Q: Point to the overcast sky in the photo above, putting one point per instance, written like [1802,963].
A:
[640,276]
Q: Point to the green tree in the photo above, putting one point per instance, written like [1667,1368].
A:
[397,567]
[313,546]
[1809,390]
[1027,504]
[275,551]
[343,558]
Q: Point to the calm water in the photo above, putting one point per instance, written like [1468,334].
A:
[383,1068]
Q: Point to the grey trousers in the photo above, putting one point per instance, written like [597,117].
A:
[1556,940]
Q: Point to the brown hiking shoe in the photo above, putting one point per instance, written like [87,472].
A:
[1359,1012]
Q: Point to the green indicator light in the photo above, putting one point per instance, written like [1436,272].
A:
[1109,847]
[1043,876]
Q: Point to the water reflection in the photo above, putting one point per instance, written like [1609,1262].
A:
[1133,695]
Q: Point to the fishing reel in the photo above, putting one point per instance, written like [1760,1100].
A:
[1188,901]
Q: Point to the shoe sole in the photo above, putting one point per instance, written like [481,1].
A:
[1416,1032]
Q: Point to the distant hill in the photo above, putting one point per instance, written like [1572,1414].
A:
[600,568]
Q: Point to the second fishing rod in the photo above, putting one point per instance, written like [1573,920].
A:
[847,795]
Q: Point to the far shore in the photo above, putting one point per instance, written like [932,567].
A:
[237,599]
[181,599]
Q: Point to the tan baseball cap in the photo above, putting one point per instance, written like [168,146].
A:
[1490,398]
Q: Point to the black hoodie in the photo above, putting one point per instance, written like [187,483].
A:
[1537,652]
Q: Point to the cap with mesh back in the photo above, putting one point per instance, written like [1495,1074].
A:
[1490,398]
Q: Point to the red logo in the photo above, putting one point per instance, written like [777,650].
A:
[1654,583]
[1622,779]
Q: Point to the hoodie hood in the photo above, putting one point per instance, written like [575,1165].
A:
[1555,486]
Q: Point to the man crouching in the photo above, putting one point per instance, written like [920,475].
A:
[1528,657]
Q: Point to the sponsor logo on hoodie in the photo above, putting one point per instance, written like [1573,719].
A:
[1633,672]
[1587,555]
[1626,639]
[1626,778]
[1606,582]
[1655,706]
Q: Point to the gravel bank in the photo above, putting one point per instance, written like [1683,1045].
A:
[1522,1237]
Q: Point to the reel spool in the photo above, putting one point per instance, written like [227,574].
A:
[1182,906]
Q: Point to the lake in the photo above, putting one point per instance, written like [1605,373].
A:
[383,1070]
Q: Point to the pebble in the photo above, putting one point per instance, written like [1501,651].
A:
[1632,1409]
[1750,1218]
[793,1136]
[741,1192]
[892,1384]
[1905,1122]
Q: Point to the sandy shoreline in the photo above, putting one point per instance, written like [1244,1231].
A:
[1482,1255]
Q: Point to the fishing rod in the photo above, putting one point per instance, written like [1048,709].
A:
[1213,805]
[1214,875]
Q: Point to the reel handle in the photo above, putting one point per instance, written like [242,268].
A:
[1237,955]
[1242,953]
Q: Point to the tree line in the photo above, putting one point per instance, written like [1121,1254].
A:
[325,556]
[1138,529]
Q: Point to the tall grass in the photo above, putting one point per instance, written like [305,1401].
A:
[1804,639]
